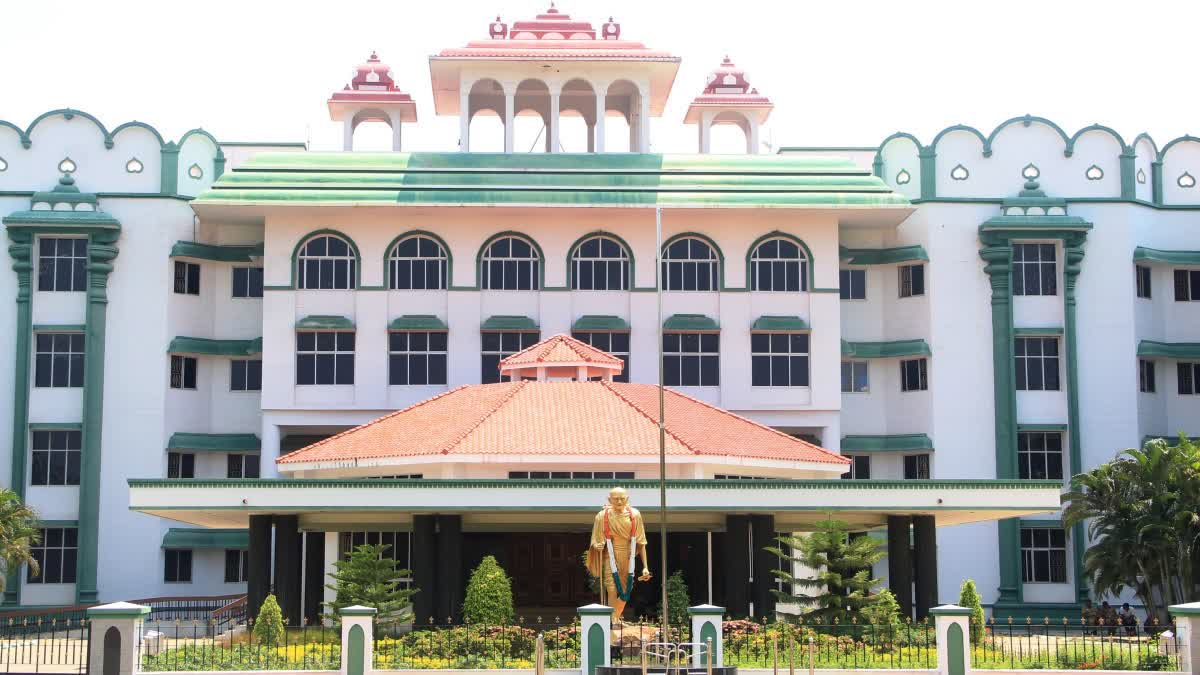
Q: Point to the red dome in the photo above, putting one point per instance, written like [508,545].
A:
[374,75]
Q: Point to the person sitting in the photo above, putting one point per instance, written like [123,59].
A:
[1108,617]
[1128,619]
[1090,615]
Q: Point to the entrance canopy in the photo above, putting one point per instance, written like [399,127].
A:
[531,505]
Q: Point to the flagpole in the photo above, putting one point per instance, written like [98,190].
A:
[662,430]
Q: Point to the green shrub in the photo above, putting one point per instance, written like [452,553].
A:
[370,578]
[678,600]
[489,598]
[268,627]
[884,610]
[968,596]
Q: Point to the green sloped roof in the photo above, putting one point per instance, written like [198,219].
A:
[214,442]
[325,322]
[886,443]
[616,179]
[883,256]
[210,347]
[1143,253]
[195,537]
[1169,350]
[600,322]
[417,322]
[509,322]
[216,252]
[764,323]
[690,322]
[885,350]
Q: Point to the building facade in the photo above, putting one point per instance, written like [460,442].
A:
[1015,306]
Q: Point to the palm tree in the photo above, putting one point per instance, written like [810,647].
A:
[18,532]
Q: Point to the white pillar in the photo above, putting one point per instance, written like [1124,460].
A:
[598,145]
[268,450]
[554,128]
[595,636]
[1187,627]
[348,134]
[464,121]
[706,119]
[953,631]
[362,618]
[707,625]
[126,620]
[752,137]
[509,119]
[328,594]
[394,118]
[643,120]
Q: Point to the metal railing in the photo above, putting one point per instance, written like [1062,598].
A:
[1071,645]
[750,644]
[196,647]
[480,646]
[54,646]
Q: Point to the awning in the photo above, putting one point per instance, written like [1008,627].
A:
[185,537]
[1169,350]
[214,442]
[505,505]
[885,350]
[600,322]
[887,443]
[508,322]
[883,256]
[1048,330]
[1144,254]
[417,322]
[779,323]
[210,347]
[216,252]
[325,322]
[691,322]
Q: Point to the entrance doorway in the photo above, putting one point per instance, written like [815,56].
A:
[547,571]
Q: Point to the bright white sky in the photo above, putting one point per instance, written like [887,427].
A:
[839,73]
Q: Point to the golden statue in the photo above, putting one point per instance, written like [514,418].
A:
[617,532]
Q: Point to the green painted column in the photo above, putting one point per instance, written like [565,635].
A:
[169,179]
[1073,248]
[1156,182]
[928,159]
[1128,175]
[997,254]
[101,252]
[20,249]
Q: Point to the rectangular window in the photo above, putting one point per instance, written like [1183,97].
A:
[247,282]
[55,458]
[860,467]
[1187,285]
[58,361]
[912,280]
[62,264]
[573,475]
[1036,363]
[237,566]
[325,357]
[779,359]
[691,359]
[913,375]
[1034,270]
[855,379]
[187,278]
[613,342]
[241,466]
[734,476]
[1043,555]
[399,546]
[916,467]
[55,554]
[1145,376]
[852,284]
[1189,378]
[1143,280]
[183,372]
[1040,455]
[181,465]
[497,346]
[178,565]
[245,375]
[417,357]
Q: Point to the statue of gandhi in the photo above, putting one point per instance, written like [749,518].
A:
[618,532]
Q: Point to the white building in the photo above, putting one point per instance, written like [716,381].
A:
[982,307]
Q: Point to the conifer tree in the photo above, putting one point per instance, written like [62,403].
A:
[842,583]
[489,598]
[968,596]
[367,577]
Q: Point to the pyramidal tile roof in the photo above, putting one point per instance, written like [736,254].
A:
[553,418]
[560,349]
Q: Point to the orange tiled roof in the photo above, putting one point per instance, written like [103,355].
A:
[559,418]
[560,349]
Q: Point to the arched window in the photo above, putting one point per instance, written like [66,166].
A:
[510,264]
[690,264]
[326,262]
[417,263]
[778,265]
[600,264]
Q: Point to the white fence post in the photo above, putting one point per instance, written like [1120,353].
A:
[707,623]
[595,637]
[953,629]
[113,632]
[1187,635]
[358,636]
